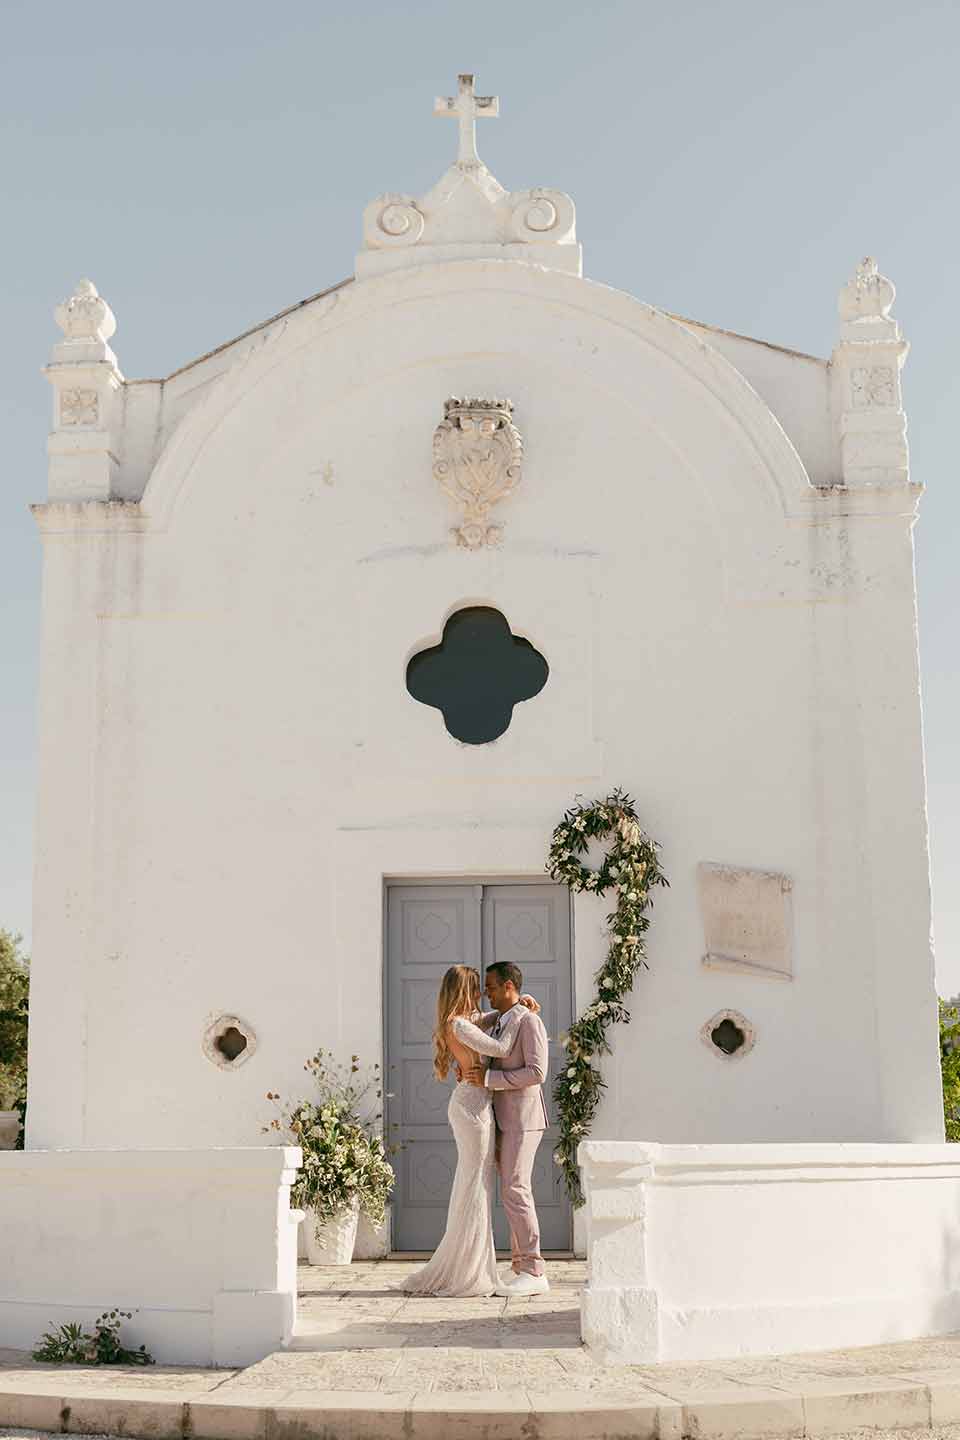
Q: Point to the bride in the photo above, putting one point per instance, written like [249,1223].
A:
[464,1263]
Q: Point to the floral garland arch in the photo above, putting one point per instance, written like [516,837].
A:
[632,867]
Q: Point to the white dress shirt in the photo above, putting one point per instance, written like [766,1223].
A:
[498,1031]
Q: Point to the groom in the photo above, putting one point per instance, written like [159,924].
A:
[521,1118]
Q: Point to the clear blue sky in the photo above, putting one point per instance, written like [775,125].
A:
[206,164]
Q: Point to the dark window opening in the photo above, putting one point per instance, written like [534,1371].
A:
[476,675]
[727,1037]
[231,1043]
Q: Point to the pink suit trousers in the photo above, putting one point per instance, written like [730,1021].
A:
[521,1119]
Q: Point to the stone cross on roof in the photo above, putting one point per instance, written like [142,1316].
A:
[467,106]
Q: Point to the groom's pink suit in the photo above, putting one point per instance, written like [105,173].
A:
[521,1117]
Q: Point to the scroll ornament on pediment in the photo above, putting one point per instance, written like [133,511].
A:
[477,457]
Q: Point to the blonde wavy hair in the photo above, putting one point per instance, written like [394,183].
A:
[459,995]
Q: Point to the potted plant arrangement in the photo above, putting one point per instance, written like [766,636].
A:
[345,1166]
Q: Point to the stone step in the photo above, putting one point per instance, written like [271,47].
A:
[819,1407]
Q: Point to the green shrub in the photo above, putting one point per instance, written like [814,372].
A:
[950,1067]
[14,1006]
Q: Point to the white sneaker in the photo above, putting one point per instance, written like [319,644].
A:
[524,1284]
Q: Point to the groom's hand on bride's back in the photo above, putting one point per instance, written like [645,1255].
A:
[475,1075]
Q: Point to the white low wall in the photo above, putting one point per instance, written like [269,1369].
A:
[199,1243]
[702,1251]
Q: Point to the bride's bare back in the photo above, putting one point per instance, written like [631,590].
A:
[464,1056]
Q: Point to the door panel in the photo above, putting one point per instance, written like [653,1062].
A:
[429,928]
[530,926]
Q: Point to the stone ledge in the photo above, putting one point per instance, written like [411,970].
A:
[815,1407]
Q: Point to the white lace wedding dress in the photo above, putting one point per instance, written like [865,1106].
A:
[465,1263]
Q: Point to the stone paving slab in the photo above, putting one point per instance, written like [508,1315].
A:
[939,1432]
[520,1414]
[368,1363]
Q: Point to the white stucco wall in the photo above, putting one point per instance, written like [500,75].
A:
[699,1252]
[231,764]
[199,1244]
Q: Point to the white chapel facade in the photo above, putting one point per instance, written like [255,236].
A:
[340,618]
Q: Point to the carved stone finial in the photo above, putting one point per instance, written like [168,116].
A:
[868,295]
[477,455]
[86,382]
[468,107]
[866,368]
[86,316]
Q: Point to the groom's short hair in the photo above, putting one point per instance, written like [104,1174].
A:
[509,973]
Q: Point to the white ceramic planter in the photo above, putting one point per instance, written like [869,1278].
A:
[337,1237]
[9,1129]
[373,1241]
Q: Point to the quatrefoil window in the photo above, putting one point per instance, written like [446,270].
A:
[728,1034]
[229,1042]
[727,1037]
[476,675]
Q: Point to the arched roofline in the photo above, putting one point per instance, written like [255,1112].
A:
[332,311]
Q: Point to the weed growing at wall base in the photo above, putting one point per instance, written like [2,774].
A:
[72,1345]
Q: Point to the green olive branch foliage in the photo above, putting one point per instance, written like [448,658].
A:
[950,1067]
[630,867]
[339,1133]
[14,1017]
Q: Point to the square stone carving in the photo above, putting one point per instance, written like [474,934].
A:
[747,920]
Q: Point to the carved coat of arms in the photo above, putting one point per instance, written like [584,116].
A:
[477,455]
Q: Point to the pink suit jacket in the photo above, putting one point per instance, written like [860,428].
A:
[517,1079]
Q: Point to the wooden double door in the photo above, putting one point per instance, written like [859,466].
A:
[430,927]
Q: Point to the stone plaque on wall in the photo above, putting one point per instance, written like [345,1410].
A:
[747,920]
